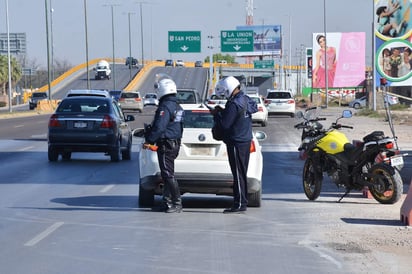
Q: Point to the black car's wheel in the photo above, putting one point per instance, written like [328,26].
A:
[292,115]
[357,106]
[312,180]
[126,154]
[52,154]
[115,153]
[146,197]
[255,199]
[387,187]
[67,155]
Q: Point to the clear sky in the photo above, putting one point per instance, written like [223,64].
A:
[160,16]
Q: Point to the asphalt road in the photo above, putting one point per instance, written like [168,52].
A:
[81,216]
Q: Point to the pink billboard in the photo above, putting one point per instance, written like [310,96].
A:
[338,59]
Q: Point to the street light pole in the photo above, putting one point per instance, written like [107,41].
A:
[130,48]
[48,47]
[113,68]
[8,53]
[51,40]
[325,55]
[87,43]
[114,71]
[210,62]
[290,49]
[141,31]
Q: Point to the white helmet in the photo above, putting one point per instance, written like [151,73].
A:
[226,86]
[166,87]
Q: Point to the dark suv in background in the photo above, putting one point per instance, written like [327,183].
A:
[35,98]
[130,61]
[169,63]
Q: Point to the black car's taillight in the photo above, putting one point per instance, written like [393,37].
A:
[54,121]
[107,122]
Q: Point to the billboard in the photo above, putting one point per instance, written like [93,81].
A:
[17,43]
[345,59]
[392,28]
[267,40]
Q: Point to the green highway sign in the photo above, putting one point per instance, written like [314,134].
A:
[184,41]
[236,40]
[263,64]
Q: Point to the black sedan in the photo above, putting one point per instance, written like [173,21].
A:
[89,124]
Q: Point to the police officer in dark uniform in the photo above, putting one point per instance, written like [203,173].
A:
[236,121]
[166,132]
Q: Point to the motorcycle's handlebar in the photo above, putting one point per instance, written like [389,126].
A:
[338,126]
[305,123]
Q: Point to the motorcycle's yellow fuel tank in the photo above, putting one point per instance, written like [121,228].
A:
[333,142]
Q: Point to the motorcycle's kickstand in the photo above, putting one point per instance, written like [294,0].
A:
[344,195]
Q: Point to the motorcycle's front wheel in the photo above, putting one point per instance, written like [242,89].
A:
[387,184]
[312,180]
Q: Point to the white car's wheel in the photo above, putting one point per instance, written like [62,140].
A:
[146,197]
[255,199]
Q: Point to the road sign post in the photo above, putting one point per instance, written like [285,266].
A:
[184,41]
[236,40]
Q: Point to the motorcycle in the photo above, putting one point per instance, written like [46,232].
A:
[374,162]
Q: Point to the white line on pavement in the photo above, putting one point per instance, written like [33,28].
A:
[44,234]
[106,188]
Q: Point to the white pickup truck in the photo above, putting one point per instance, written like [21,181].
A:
[102,70]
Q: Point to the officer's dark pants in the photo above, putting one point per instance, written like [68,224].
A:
[239,154]
[167,152]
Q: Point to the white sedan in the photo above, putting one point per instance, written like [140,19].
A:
[202,165]
[261,116]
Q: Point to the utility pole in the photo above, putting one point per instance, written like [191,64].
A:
[87,43]
[113,45]
[210,61]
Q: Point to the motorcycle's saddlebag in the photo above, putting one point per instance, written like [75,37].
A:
[374,136]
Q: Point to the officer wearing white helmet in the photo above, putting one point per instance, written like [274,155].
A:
[236,122]
[166,132]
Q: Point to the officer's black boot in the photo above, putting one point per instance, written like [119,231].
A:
[167,197]
[175,197]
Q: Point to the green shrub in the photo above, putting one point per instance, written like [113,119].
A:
[3,104]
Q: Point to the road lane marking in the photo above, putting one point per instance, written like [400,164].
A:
[106,188]
[44,234]
[26,148]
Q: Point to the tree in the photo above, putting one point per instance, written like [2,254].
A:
[4,73]
[218,56]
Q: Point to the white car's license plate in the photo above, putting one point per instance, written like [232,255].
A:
[396,161]
[80,124]
[201,151]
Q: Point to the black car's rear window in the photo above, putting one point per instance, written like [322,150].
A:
[84,105]
[279,95]
[39,95]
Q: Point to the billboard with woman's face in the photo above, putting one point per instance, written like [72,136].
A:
[338,60]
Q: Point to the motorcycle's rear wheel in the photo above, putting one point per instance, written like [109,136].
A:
[312,180]
[387,188]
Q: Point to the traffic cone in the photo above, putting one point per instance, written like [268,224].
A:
[406,209]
